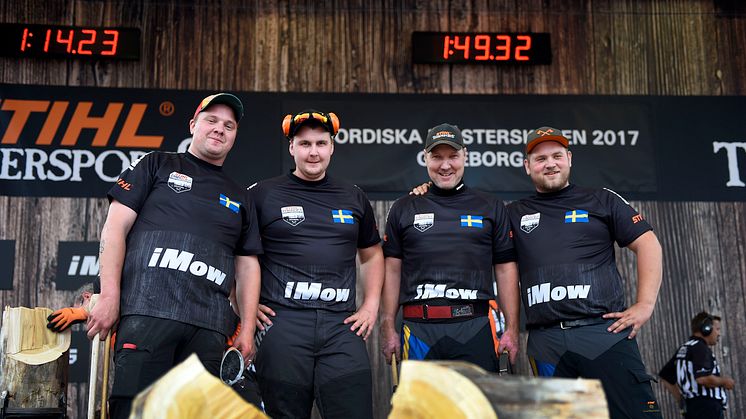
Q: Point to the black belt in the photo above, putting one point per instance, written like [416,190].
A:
[426,311]
[569,324]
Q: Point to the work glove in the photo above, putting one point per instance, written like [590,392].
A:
[232,339]
[66,317]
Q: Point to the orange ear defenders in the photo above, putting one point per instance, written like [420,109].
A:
[291,123]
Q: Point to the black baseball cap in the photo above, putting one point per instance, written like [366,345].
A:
[540,135]
[444,134]
[223,98]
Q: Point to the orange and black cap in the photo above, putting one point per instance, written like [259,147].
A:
[228,99]
[291,123]
[540,135]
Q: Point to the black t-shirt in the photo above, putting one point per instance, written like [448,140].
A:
[192,220]
[311,231]
[448,241]
[565,246]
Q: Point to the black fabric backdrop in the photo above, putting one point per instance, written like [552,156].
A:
[644,147]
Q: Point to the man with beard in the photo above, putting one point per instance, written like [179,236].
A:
[312,227]
[441,251]
[572,291]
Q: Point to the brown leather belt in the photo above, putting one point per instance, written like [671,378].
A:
[426,311]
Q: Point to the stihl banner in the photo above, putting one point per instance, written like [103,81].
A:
[74,141]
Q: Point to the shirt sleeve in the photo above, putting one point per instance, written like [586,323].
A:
[502,245]
[392,236]
[249,243]
[668,372]
[368,233]
[626,223]
[135,183]
[701,358]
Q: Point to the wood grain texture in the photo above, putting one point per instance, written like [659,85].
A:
[600,47]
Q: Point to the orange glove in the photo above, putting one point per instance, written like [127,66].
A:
[66,317]
[232,339]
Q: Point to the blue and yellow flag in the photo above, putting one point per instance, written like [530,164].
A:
[231,205]
[471,221]
[576,216]
[341,216]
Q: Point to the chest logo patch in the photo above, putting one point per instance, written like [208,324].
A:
[529,222]
[340,216]
[576,216]
[423,222]
[293,215]
[179,182]
[232,205]
[471,221]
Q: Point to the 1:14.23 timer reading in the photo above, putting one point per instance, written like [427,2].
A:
[493,48]
[69,41]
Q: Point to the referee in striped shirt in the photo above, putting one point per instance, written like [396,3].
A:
[694,374]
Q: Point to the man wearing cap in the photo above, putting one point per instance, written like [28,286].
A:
[573,294]
[312,227]
[441,250]
[178,237]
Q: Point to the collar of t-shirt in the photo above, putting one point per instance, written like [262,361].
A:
[311,183]
[191,157]
[554,194]
[460,188]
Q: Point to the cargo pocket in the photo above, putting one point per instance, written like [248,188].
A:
[642,392]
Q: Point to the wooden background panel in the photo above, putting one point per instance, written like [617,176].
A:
[600,47]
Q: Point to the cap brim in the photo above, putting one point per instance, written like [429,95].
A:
[455,145]
[556,138]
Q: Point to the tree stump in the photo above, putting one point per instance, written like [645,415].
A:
[33,360]
[188,391]
[461,390]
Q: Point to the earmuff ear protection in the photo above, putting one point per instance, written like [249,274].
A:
[705,328]
[291,122]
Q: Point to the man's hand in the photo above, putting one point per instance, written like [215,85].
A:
[103,316]
[362,321]
[728,383]
[66,317]
[422,189]
[635,316]
[244,342]
[509,342]
[263,315]
[390,343]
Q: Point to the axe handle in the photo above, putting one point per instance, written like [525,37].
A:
[92,377]
[394,372]
[105,380]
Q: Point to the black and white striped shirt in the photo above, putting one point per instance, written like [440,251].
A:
[694,359]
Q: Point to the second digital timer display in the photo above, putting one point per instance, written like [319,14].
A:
[461,47]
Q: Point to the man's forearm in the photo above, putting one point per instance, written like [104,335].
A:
[508,293]
[390,299]
[112,249]
[649,268]
[711,381]
[248,287]
[372,270]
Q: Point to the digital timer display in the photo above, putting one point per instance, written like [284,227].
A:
[69,42]
[487,48]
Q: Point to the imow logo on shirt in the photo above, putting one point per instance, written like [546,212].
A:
[181,261]
[313,291]
[543,293]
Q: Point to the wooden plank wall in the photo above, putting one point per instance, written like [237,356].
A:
[635,47]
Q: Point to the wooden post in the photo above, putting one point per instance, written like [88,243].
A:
[30,386]
[462,390]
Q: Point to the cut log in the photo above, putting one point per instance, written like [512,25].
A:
[33,360]
[452,389]
[188,391]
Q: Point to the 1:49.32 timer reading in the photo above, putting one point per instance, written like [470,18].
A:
[497,48]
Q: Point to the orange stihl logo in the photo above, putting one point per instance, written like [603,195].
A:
[81,120]
[637,218]
[124,185]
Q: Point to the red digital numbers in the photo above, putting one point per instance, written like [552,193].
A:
[91,34]
[68,40]
[485,47]
[113,42]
